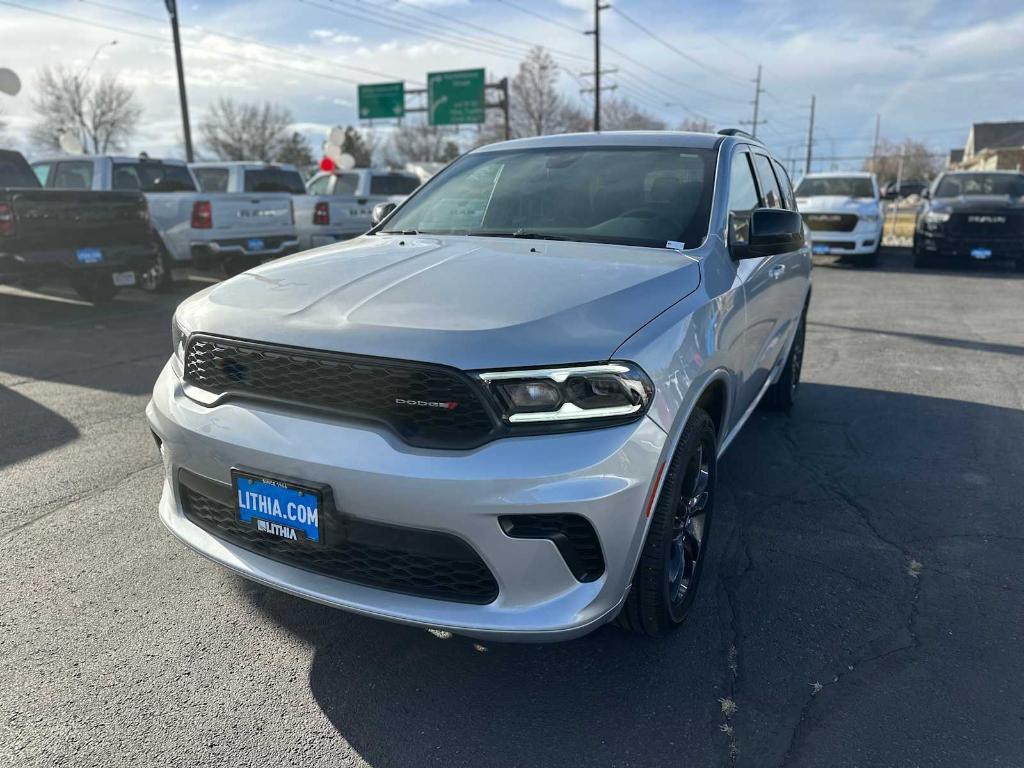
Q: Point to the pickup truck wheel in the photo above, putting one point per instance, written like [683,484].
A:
[95,288]
[923,260]
[666,578]
[782,394]
[158,277]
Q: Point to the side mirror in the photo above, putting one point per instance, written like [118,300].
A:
[926,193]
[380,212]
[766,232]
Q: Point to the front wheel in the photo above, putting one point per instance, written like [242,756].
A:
[666,578]
[96,288]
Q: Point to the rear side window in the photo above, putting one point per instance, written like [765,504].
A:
[318,186]
[212,179]
[14,171]
[346,184]
[153,176]
[274,180]
[769,186]
[784,184]
[393,184]
[73,175]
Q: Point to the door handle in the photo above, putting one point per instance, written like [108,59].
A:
[777,271]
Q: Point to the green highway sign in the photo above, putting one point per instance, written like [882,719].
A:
[456,97]
[382,100]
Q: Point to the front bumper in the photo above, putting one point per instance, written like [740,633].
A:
[865,238]
[958,247]
[603,475]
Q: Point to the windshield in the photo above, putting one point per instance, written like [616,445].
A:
[968,184]
[626,195]
[838,186]
[150,176]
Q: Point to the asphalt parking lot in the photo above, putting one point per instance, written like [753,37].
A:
[864,604]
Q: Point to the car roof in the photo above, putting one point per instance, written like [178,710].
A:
[1003,172]
[682,139]
[240,164]
[834,174]
[114,158]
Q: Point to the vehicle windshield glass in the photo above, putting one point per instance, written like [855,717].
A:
[346,184]
[645,196]
[212,179]
[150,176]
[838,186]
[968,184]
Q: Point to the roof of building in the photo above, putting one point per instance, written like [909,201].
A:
[997,135]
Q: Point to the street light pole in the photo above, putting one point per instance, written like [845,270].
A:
[172,9]
[94,57]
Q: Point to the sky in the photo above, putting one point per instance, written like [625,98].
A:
[928,67]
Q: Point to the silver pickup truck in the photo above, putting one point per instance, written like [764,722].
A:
[210,231]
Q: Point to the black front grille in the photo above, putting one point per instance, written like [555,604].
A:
[427,406]
[573,535]
[996,225]
[398,559]
[831,222]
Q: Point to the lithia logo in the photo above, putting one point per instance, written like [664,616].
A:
[987,219]
[427,404]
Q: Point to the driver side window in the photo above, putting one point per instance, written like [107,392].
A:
[743,198]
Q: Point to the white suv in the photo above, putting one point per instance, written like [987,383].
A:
[844,213]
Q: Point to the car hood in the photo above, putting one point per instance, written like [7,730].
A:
[836,204]
[468,302]
[979,203]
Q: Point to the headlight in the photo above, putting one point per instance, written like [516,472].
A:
[936,217]
[178,340]
[870,217]
[608,392]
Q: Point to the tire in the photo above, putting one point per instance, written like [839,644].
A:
[158,278]
[782,394]
[97,288]
[672,560]
[866,260]
[924,260]
[236,265]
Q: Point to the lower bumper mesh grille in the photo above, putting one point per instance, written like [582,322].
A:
[398,559]
[574,536]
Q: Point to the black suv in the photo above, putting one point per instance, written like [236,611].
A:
[977,215]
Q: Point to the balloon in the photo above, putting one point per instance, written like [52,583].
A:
[70,143]
[333,151]
[346,162]
[9,82]
[326,164]
[336,136]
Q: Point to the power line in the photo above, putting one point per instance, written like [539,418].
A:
[540,16]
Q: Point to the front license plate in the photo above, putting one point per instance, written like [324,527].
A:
[981,253]
[287,510]
[255,244]
[89,255]
[820,248]
[124,279]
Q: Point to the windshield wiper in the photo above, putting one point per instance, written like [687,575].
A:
[522,234]
[400,232]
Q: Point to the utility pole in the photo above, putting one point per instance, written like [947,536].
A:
[172,9]
[810,139]
[596,32]
[874,147]
[758,90]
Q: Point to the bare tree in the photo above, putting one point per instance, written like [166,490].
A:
[537,109]
[919,162]
[421,144]
[359,146]
[296,150]
[697,125]
[102,113]
[621,114]
[234,130]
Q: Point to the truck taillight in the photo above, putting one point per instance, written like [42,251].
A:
[202,215]
[6,220]
[322,214]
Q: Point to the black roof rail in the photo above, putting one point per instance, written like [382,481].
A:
[736,132]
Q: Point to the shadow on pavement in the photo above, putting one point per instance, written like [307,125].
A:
[926,338]
[832,580]
[28,429]
[896,259]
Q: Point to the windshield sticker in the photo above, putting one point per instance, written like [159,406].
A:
[675,245]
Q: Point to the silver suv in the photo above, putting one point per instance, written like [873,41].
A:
[498,412]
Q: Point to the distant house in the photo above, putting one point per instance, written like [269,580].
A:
[956,156]
[994,146]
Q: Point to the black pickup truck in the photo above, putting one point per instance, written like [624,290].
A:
[99,241]
[972,216]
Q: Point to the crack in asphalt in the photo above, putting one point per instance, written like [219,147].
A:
[66,501]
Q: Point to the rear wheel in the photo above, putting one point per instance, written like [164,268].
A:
[782,394]
[97,288]
[672,560]
[158,277]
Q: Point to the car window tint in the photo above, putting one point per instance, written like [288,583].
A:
[212,179]
[318,186]
[392,184]
[15,172]
[274,180]
[154,176]
[346,184]
[42,172]
[125,178]
[742,189]
[782,177]
[73,175]
[769,186]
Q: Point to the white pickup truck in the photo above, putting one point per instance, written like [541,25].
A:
[210,231]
